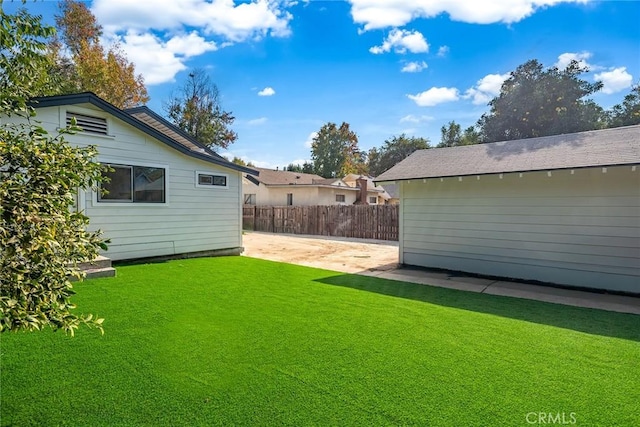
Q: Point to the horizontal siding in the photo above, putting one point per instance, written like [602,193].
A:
[194,219]
[580,229]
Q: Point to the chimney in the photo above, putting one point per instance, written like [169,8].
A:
[361,199]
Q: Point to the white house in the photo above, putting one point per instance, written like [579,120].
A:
[168,194]
[284,188]
[561,209]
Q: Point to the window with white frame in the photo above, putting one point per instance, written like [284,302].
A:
[133,184]
[249,199]
[289,199]
[373,200]
[205,179]
[340,198]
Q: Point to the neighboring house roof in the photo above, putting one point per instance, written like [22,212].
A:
[145,120]
[599,148]
[272,177]
[392,190]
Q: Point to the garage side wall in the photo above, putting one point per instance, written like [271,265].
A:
[577,228]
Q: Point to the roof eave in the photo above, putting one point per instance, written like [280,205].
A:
[91,98]
[393,180]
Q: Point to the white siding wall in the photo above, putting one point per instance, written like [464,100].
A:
[579,229]
[302,195]
[193,219]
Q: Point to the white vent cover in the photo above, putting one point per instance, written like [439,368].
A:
[89,123]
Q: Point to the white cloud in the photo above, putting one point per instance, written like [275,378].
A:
[310,138]
[402,41]
[267,91]
[414,67]
[565,59]
[258,121]
[410,118]
[614,80]
[435,96]
[256,18]
[159,36]
[487,88]
[159,61]
[443,51]
[375,14]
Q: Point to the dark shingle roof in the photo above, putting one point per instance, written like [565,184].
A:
[607,147]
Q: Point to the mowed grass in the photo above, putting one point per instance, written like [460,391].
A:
[241,341]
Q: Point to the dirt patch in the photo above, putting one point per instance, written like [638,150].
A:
[331,253]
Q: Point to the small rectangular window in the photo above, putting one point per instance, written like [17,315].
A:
[90,124]
[211,180]
[340,198]
[249,199]
[289,199]
[373,200]
[133,184]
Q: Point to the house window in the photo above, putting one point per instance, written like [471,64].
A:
[90,124]
[340,198]
[133,184]
[373,200]
[211,180]
[249,199]
[289,199]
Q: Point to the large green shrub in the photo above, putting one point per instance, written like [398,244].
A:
[42,238]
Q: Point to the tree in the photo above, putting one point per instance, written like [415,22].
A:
[41,239]
[335,152]
[394,151]
[238,161]
[197,110]
[108,74]
[628,112]
[453,137]
[293,168]
[537,102]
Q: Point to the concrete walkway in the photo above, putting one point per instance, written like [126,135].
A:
[380,259]
[618,303]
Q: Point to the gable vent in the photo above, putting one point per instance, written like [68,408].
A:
[89,123]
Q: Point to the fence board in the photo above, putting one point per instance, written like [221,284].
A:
[357,221]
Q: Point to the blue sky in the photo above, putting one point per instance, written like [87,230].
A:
[284,68]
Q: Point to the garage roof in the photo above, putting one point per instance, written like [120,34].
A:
[599,148]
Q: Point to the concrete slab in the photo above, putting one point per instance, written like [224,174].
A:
[380,259]
[619,303]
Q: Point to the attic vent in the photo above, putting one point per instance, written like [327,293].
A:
[89,123]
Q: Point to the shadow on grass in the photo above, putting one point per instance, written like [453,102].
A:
[590,321]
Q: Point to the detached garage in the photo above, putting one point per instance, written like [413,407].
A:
[562,209]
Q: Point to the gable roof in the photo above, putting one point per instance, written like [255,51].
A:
[145,120]
[598,148]
[278,177]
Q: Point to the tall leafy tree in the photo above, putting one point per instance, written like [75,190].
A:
[536,101]
[394,151]
[452,136]
[82,63]
[335,152]
[197,110]
[626,113]
[41,239]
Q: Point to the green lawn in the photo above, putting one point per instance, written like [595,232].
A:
[240,341]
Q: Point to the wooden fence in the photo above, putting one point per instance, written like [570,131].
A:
[359,221]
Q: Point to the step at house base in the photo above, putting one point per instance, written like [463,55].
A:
[99,267]
[94,273]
